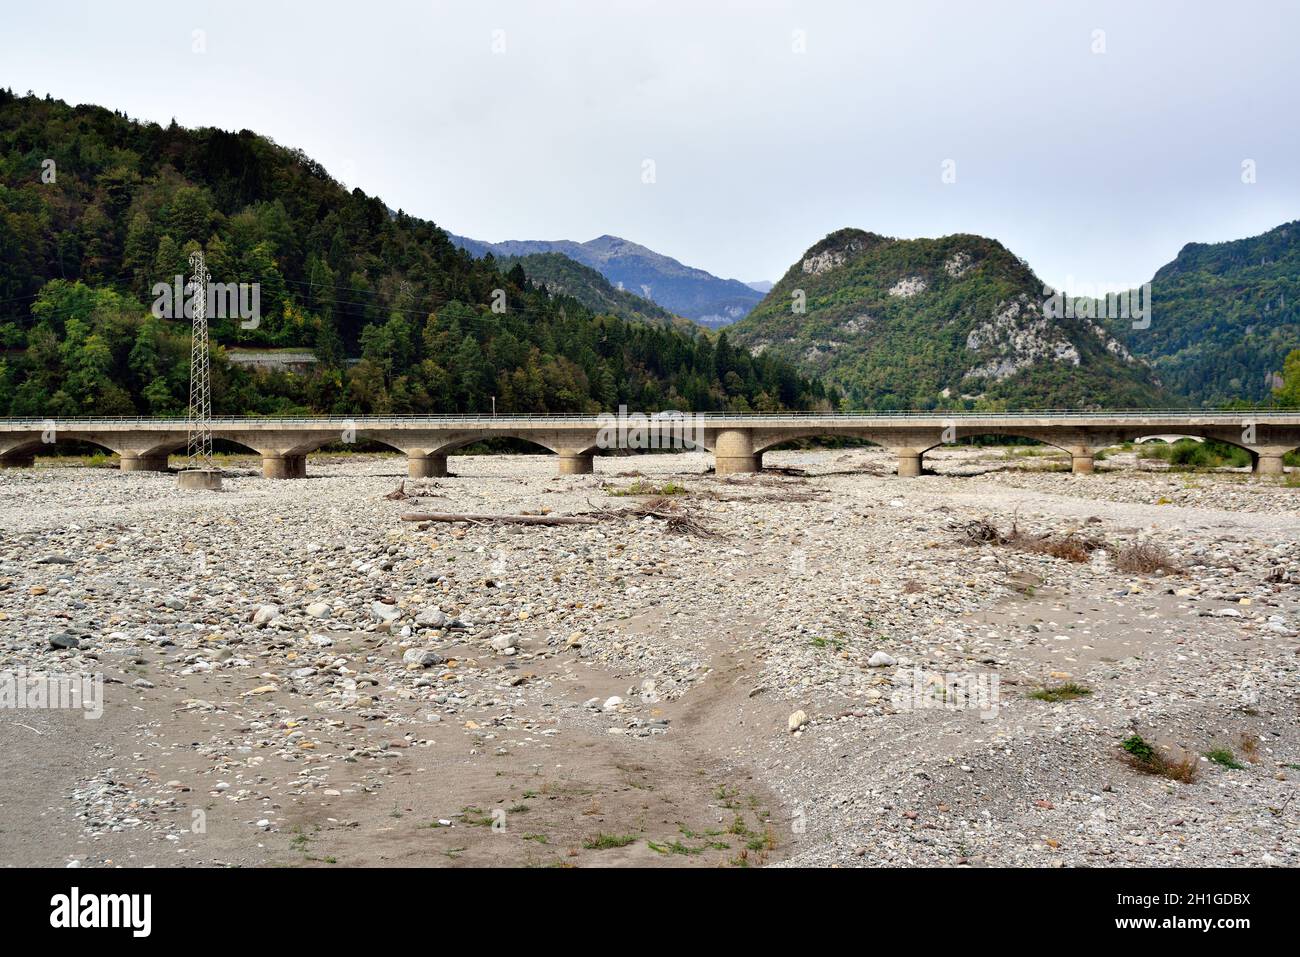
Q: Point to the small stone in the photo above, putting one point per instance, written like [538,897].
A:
[319,609]
[797,721]
[881,660]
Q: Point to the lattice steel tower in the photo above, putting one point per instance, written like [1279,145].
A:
[200,417]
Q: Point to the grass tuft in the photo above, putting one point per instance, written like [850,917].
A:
[603,842]
[1063,692]
[1224,758]
[642,487]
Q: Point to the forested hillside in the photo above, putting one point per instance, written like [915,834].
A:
[955,322]
[95,209]
[1223,317]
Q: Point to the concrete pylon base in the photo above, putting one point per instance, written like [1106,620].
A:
[576,464]
[207,480]
[737,464]
[909,463]
[143,463]
[1081,464]
[426,466]
[1269,465]
[733,453]
[284,466]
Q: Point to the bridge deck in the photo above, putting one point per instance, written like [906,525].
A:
[737,441]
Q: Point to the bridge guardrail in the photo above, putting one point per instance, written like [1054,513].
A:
[520,418]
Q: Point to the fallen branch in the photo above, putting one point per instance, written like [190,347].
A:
[500,519]
[674,514]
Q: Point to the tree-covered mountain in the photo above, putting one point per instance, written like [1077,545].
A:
[957,322]
[96,210]
[680,289]
[1224,316]
[563,276]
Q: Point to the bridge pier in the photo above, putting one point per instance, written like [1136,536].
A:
[426,466]
[284,466]
[909,463]
[1269,463]
[576,463]
[733,453]
[1081,462]
[132,462]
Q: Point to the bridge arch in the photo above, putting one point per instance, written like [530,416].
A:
[910,459]
[24,451]
[1167,438]
[1059,445]
[1201,437]
[459,442]
[770,442]
[377,439]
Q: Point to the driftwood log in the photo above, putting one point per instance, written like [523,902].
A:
[501,519]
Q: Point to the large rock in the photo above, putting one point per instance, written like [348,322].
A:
[505,642]
[423,657]
[265,615]
[383,611]
[431,618]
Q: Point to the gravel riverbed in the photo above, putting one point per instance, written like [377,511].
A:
[834,675]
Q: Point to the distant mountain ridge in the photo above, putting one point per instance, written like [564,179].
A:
[681,289]
[563,276]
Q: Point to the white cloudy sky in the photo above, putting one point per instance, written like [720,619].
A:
[1096,166]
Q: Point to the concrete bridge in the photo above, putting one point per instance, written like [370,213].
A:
[736,441]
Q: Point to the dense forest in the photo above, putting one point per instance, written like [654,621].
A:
[96,209]
[1224,316]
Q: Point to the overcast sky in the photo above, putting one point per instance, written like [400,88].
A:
[1092,165]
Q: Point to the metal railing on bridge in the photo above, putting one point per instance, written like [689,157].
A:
[560,418]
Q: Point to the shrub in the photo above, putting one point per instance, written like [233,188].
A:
[1143,757]
[1145,558]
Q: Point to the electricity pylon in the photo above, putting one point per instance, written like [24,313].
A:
[200,417]
[201,473]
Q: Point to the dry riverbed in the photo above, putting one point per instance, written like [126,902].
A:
[295,677]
